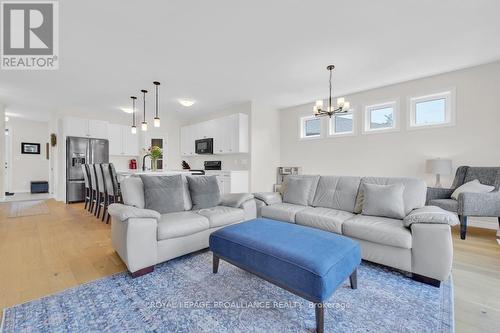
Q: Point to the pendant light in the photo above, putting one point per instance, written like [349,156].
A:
[156,122]
[144,125]
[133,129]
[343,106]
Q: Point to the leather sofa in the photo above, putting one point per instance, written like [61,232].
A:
[425,250]
[143,238]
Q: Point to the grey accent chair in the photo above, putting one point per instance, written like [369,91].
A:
[469,204]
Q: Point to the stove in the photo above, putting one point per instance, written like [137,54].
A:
[213,165]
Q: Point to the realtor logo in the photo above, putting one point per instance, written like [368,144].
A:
[29,35]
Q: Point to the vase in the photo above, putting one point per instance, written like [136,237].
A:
[154,164]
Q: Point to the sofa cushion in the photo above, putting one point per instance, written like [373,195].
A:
[204,190]
[384,200]
[221,215]
[179,224]
[447,204]
[297,189]
[337,192]
[323,218]
[282,212]
[163,193]
[132,190]
[380,230]
[188,205]
[414,194]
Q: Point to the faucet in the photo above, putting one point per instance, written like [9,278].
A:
[144,162]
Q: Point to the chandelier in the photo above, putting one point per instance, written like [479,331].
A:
[342,105]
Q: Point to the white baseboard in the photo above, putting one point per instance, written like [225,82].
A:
[484,222]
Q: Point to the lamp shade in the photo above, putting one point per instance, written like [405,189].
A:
[439,166]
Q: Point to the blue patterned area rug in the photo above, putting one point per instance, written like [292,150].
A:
[183,295]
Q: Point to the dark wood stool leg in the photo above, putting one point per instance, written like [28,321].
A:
[354,279]
[463,226]
[215,264]
[320,317]
[106,204]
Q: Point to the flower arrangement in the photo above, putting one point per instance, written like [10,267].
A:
[155,153]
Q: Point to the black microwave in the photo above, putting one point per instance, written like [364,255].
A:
[204,146]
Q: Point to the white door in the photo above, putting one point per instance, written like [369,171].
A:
[8,160]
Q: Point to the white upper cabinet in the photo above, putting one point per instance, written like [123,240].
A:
[230,134]
[98,129]
[115,139]
[187,143]
[81,127]
[122,141]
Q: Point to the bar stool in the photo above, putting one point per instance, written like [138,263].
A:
[94,190]
[87,185]
[116,183]
[110,196]
[101,190]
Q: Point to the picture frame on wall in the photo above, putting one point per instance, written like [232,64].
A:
[30,148]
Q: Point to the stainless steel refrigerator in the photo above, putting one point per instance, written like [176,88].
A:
[81,151]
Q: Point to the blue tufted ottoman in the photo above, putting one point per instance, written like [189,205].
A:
[308,262]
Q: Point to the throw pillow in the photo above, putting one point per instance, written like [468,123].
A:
[163,194]
[132,190]
[297,191]
[311,191]
[204,190]
[472,187]
[384,200]
[430,214]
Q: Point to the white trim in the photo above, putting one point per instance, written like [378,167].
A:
[449,95]
[331,126]
[302,121]
[394,104]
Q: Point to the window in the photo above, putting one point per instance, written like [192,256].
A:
[342,124]
[432,110]
[310,127]
[381,117]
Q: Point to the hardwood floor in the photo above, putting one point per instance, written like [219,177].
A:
[43,254]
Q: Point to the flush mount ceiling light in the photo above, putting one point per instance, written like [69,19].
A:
[127,110]
[186,102]
[342,105]
[6,118]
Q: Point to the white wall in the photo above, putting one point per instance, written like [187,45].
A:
[28,167]
[265,148]
[473,141]
[229,162]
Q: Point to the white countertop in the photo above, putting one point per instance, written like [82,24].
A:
[150,172]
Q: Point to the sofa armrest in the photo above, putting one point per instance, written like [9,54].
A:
[123,212]
[235,200]
[432,250]
[434,193]
[430,215]
[479,204]
[135,241]
[269,198]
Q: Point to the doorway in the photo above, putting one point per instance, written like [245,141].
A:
[8,162]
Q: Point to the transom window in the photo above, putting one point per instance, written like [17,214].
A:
[310,127]
[381,117]
[431,110]
[342,124]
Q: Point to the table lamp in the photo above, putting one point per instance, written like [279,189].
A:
[439,167]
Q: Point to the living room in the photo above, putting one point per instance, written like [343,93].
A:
[280,166]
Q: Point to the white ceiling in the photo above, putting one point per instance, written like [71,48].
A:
[225,51]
